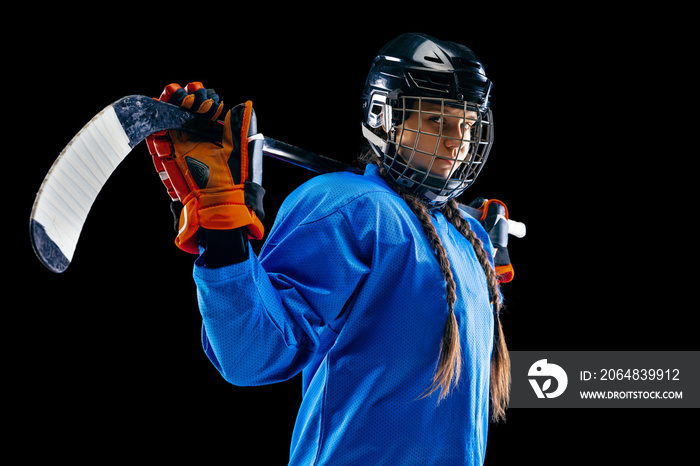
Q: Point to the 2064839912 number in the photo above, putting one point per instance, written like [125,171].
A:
[639,374]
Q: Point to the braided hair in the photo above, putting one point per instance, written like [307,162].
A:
[450,357]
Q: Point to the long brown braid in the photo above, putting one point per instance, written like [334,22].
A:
[450,359]
[500,360]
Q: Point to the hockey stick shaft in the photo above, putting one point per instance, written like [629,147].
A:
[321,164]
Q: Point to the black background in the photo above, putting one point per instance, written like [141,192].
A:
[587,114]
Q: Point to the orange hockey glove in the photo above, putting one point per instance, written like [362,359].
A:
[218,183]
[194,98]
[494,219]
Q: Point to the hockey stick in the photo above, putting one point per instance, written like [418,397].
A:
[73,182]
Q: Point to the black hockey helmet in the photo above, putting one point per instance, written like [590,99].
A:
[409,72]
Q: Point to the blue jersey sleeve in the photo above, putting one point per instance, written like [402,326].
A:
[264,319]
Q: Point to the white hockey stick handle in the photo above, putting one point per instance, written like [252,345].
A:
[516,229]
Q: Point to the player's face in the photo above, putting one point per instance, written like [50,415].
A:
[435,138]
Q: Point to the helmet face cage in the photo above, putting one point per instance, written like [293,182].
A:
[434,147]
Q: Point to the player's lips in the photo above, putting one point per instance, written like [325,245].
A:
[444,162]
[442,167]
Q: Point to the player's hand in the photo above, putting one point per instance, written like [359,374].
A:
[218,183]
[194,98]
[495,222]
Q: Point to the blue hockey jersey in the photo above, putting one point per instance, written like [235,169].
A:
[348,290]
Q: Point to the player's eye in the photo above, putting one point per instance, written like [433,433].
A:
[441,121]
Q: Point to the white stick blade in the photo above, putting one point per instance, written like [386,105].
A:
[71,186]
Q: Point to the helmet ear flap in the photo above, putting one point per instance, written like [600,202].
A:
[380,112]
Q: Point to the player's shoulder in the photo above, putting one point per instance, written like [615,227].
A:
[326,194]
[341,187]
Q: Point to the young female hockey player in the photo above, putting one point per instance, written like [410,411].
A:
[377,286]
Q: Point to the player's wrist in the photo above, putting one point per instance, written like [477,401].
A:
[223,247]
